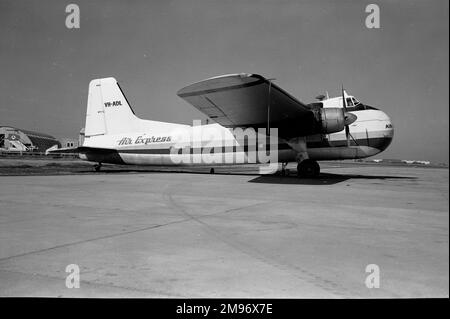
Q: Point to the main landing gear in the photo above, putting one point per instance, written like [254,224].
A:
[284,171]
[308,168]
[97,167]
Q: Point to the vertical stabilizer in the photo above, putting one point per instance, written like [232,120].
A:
[108,111]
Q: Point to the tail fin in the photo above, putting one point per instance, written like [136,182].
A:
[108,111]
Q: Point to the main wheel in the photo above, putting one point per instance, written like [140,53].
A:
[97,167]
[308,168]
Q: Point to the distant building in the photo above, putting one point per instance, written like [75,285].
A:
[69,142]
[416,162]
[18,140]
[423,162]
[392,160]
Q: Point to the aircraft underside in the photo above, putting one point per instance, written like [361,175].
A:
[316,151]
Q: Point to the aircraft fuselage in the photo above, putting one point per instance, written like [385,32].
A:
[371,133]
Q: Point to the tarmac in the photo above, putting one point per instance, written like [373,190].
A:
[149,232]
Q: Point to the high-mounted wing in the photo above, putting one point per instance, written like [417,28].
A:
[250,100]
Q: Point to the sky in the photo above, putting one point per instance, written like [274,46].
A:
[154,48]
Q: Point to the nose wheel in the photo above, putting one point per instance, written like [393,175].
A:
[308,169]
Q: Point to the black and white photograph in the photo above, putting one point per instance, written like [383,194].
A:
[224,149]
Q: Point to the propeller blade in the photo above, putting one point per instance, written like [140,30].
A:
[344,103]
[346,115]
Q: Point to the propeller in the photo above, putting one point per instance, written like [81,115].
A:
[349,118]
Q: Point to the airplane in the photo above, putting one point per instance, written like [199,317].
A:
[334,128]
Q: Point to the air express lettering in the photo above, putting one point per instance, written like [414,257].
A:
[144,140]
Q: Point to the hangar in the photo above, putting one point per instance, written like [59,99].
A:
[18,140]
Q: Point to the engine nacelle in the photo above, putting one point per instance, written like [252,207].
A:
[332,120]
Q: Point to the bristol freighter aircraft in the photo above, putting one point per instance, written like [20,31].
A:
[250,105]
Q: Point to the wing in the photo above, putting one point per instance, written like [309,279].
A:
[243,100]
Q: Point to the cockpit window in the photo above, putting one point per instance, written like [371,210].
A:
[349,102]
[355,101]
[354,105]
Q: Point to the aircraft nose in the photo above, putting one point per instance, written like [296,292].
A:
[388,127]
[387,131]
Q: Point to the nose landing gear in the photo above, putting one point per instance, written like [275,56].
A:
[308,168]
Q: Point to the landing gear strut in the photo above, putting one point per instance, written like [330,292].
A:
[97,167]
[284,171]
[308,168]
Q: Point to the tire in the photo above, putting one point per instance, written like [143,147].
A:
[308,169]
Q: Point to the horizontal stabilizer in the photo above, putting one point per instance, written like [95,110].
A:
[77,150]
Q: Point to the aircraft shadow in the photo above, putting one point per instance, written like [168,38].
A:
[323,179]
